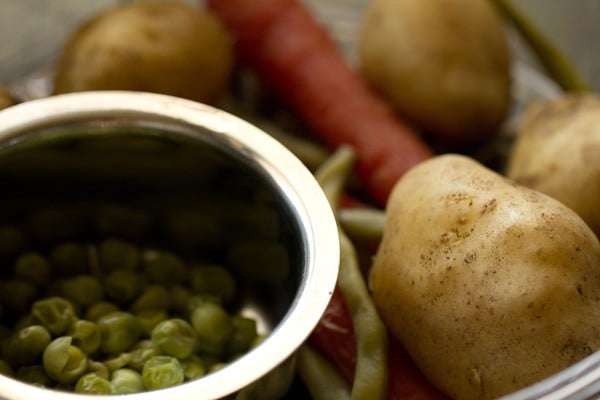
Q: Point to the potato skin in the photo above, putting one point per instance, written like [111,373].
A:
[557,151]
[160,46]
[444,64]
[490,286]
[6,99]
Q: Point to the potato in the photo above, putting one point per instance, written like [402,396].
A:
[159,46]
[6,99]
[557,152]
[489,285]
[443,64]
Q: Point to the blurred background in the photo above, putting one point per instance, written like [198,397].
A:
[33,31]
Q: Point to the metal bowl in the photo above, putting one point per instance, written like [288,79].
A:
[207,180]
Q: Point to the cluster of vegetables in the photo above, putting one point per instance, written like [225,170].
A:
[113,318]
[479,285]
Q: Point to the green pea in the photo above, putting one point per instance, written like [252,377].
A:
[27,345]
[153,297]
[161,372]
[213,327]
[213,280]
[140,355]
[69,259]
[32,267]
[56,224]
[99,368]
[123,286]
[6,369]
[115,254]
[243,336]
[55,313]
[149,319]
[180,297]
[64,362]
[83,290]
[17,295]
[193,368]
[12,240]
[163,267]
[100,308]
[118,361]
[116,220]
[94,384]
[174,337]
[33,374]
[86,335]
[119,330]
[126,380]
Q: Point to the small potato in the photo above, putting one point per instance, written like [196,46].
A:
[444,64]
[159,46]
[557,151]
[6,99]
[490,286]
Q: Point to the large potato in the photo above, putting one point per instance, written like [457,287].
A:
[557,151]
[489,285]
[444,64]
[158,46]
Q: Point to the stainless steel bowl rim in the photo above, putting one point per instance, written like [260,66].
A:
[295,179]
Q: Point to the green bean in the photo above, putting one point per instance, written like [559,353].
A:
[213,280]
[82,290]
[321,379]
[32,267]
[364,224]
[69,259]
[213,327]
[64,362]
[123,286]
[16,296]
[127,380]
[55,313]
[98,309]
[370,380]
[116,254]
[94,384]
[243,336]
[119,330]
[174,337]
[556,63]
[153,297]
[161,372]
[27,345]
[33,374]
[163,267]
[86,335]
[193,368]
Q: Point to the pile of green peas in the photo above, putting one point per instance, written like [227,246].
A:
[111,317]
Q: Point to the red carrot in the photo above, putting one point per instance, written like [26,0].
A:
[334,338]
[294,55]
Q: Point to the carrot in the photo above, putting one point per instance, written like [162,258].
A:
[282,42]
[334,339]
